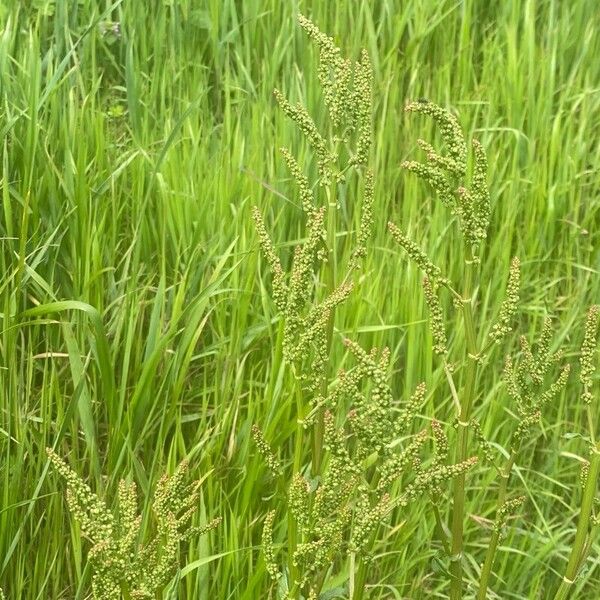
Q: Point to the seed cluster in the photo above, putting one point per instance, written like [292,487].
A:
[347,90]
[588,349]
[484,445]
[307,198]
[280,290]
[437,318]
[450,129]
[265,451]
[366,219]
[509,305]
[363,108]
[268,548]
[505,511]
[118,557]
[416,254]
[526,381]
[447,174]
[430,479]
[298,113]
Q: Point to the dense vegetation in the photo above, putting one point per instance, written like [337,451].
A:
[140,326]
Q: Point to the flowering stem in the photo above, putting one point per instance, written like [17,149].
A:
[493,544]
[463,422]
[358,580]
[587,503]
[358,575]
[292,527]
[330,268]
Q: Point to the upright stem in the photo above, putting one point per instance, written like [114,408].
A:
[493,545]
[359,576]
[291,521]
[466,401]
[578,549]
[330,271]
[125,591]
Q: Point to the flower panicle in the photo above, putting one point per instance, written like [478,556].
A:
[298,113]
[365,229]
[280,290]
[96,521]
[447,174]
[508,308]
[264,449]
[431,478]
[480,190]
[397,464]
[450,129]
[484,445]
[417,255]
[588,350]
[307,198]
[369,516]
[438,331]
[440,439]
[505,511]
[410,410]
[119,558]
[435,177]
[268,547]
[363,108]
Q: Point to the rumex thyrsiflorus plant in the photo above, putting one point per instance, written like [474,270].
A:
[137,321]
[335,504]
[128,561]
[364,461]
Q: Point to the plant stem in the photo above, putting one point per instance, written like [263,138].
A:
[329,278]
[578,549]
[463,422]
[292,527]
[493,545]
[125,591]
[359,576]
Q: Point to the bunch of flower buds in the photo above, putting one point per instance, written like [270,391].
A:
[118,557]
[347,93]
[527,380]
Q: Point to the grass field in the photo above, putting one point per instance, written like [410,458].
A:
[137,319]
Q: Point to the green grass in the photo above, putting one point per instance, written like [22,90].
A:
[137,325]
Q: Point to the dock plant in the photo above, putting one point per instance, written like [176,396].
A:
[133,555]
[382,336]
[362,436]
[336,503]
[463,188]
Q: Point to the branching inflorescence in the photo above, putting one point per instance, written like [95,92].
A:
[125,562]
[347,94]
[367,463]
[531,382]
[335,507]
[465,192]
